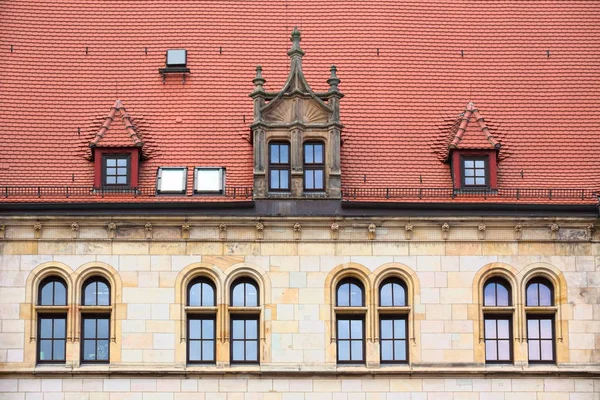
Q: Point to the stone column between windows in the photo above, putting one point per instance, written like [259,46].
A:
[260,156]
[296,161]
[334,184]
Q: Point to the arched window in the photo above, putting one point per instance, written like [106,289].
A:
[95,320]
[245,318]
[201,316]
[540,311]
[52,320]
[393,321]
[350,295]
[498,317]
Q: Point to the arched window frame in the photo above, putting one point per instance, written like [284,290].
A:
[55,314]
[203,313]
[97,313]
[535,316]
[246,315]
[394,312]
[494,317]
[351,313]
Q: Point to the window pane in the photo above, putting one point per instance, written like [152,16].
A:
[503,330]
[533,329]
[534,350]
[274,153]
[387,350]
[399,295]
[400,329]
[480,172]
[532,294]
[469,181]
[490,329]
[59,350]
[208,329]
[209,179]
[356,329]
[122,162]
[194,327]
[502,295]
[284,178]
[546,328]
[111,171]
[357,350]
[503,350]
[47,294]
[103,328]
[385,295]
[469,172]
[546,350]
[490,350]
[343,329]
[89,328]
[386,329]
[90,294]
[111,180]
[194,350]
[469,163]
[121,180]
[208,352]
[308,154]
[344,350]
[355,296]
[102,352]
[60,328]
[45,350]
[60,294]
[479,164]
[89,350]
[480,181]
[545,296]
[308,179]
[251,295]
[400,350]
[208,295]
[121,171]
[284,156]
[251,329]
[238,295]
[343,295]
[251,351]
[319,179]
[489,294]
[103,294]
[194,295]
[319,153]
[274,179]
[238,351]
[111,162]
[46,328]
[238,329]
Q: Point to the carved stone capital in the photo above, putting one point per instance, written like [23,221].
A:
[297,228]
[260,227]
[223,231]
[518,231]
[185,231]
[481,231]
[445,231]
[335,230]
[554,228]
[74,230]
[408,231]
[112,230]
[148,229]
[37,230]
[372,231]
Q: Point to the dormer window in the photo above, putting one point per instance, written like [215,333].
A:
[314,166]
[279,166]
[474,172]
[171,180]
[116,170]
[176,58]
[209,180]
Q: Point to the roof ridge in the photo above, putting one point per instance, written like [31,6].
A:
[129,126]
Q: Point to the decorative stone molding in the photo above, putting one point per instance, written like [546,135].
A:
[112,230]
[372,231]
[185,231]
[37,230]
[75,230]
[445,231]
[518,232]
[554,228]
[297,233]
[335,231]
[481,231]
[590,229]
[2,230]
[260,227]
[148,230]
[408,231]
[223,232]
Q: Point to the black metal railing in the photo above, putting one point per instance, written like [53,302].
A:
[349,193]
[235,192]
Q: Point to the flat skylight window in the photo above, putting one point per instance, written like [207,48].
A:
[209,180]
[171,180]
[176,58]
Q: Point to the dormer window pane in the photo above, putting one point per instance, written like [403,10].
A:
[209,180]
[474,172]
[176,58]
[279,166]
[171,180]
[116,170]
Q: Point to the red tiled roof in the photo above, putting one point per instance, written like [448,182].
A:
[532,68]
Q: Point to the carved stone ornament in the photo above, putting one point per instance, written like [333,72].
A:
[518,231]
[372,231]
[37,230]
[185,231]
[590,229]
[335,230]
[408,231]
[481,231]
[260,227]
[2,230]
[148,228]
[223,231]
[112,230]
[554,228]
[297,228]
[445,230]
[75,230]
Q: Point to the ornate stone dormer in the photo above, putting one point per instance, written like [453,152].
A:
[296,135]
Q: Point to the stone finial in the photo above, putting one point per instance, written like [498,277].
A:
[223,231]
[185,231]
[445,230]
[296,37]
[408,231]
[258,80]
[148,229]
[37,230]
[335,230]
[2,230]
[554,228]
[481,231]
[333,80]
[112,230]
[518,231]
[260,227]
[372,231]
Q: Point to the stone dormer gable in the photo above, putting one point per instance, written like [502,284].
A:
[304,126]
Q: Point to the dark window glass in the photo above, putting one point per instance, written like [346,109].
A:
[244,294]
[498,346]
[201,293]
[540,338]
[475,171]
[314,166]
[496,293]
[350,339]
[244,339]
[52,292]
[539,293]
[393,339]
[279,166]
[96,337]
[350,293]
[201,339]
[392,294]
[52,335]
[116,170]
[96,292]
